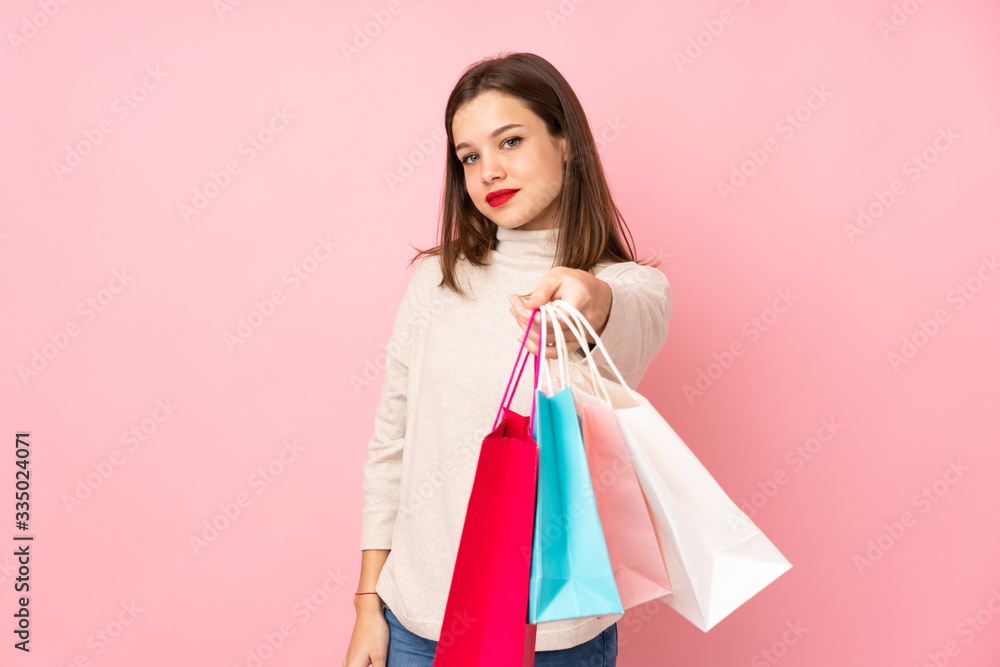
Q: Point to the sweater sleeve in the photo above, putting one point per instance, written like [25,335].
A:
[381,473]
[641,306]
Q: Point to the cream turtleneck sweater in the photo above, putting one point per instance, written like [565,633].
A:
[447,363]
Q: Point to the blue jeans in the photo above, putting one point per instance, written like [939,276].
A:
[409,650]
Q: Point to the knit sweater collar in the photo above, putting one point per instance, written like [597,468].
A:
[527,242]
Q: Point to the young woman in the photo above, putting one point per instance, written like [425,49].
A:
[526,211]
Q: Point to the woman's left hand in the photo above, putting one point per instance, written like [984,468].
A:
[589,294]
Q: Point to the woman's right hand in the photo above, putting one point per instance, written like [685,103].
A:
[370,638]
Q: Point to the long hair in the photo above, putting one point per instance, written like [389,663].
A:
[591,228]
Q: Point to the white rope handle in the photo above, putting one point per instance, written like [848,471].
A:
[580,319]
[596,380]
[562,355]
[547,377]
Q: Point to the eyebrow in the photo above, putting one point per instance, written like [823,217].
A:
[500,130]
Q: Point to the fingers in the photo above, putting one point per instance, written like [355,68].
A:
[550,337]
[550,350]
[535,325]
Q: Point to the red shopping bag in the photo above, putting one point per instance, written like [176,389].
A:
[488,597]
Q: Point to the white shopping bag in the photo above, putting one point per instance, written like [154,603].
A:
[716,557]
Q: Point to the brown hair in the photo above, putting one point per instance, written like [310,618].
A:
[591,228]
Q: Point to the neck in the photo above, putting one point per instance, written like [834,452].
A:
[530,242]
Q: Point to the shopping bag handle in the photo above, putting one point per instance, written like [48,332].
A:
[504,402]
[548,312]
[580,319]
[561,358]
[542,346]
[563,352]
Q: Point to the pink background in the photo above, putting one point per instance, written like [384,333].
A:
[308,372]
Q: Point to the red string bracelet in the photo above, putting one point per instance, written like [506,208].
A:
[371,593]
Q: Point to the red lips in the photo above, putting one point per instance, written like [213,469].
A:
[500,197]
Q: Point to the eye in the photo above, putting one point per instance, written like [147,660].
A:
[506,142]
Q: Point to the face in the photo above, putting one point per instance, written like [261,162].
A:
[504,145]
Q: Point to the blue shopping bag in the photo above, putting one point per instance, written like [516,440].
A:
[571,573]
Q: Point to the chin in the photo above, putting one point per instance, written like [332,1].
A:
[503,221]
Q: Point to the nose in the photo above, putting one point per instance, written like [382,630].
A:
[492,169]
